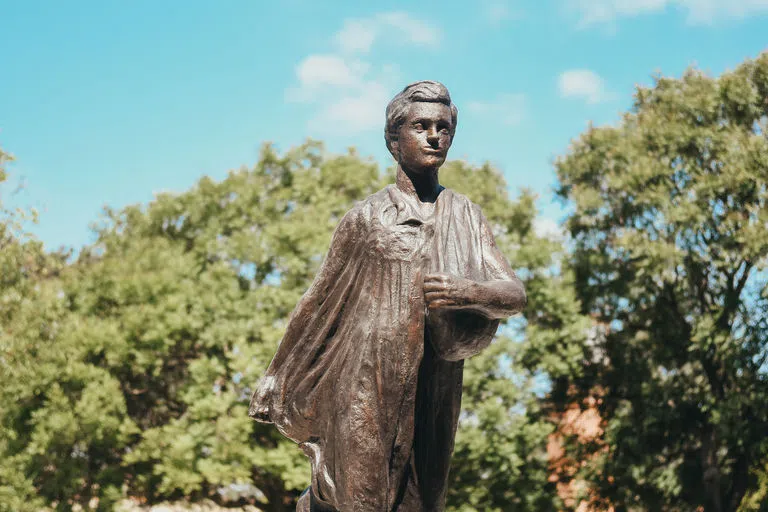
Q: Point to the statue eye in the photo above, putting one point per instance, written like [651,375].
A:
[418,127]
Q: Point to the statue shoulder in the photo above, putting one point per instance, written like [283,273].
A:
[461,201]
[362,213]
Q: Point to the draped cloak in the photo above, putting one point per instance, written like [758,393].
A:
[366,379]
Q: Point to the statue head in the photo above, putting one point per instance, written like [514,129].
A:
[421,123]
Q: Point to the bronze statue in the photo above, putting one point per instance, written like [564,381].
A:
[368,376]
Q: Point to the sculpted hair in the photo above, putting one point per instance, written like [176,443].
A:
[426,90]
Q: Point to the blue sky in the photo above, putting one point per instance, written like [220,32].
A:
[106,102]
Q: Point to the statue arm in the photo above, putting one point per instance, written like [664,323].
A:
[494,300]
[500,295]
[499,299]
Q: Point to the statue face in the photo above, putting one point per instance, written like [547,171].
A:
[424,138]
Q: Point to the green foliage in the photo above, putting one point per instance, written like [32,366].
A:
[23,266]
[670,245]
[756,499]
[128,371]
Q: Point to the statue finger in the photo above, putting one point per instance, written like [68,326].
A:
[435,286]
[437,277]
[441,303]
[437,295]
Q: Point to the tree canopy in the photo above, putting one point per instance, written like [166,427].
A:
[670,248]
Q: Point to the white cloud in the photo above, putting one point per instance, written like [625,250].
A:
[415,31]
[359,35]
[349,91]
[356,36]
[318,70]
[350,96]
[593,12]
[498,11]
[708,11]
[583,83]
[318,74]
[352,113]
[508,108]
[603,11]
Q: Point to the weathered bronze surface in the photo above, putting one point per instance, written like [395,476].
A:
[368,376]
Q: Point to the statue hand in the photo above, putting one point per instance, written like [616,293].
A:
[448,291]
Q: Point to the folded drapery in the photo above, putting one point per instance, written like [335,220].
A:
[368,381]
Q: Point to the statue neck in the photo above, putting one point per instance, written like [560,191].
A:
[423,186]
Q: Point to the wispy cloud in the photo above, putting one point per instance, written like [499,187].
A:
[509,109]
[359,34]
[350,91]
[355,111]
[583,84]
[595,12]
[318,73]
[498,11]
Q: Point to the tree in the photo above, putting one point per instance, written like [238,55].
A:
[131,368]
[669,252]
[23,264]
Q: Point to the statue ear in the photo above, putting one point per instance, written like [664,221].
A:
[394,149]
